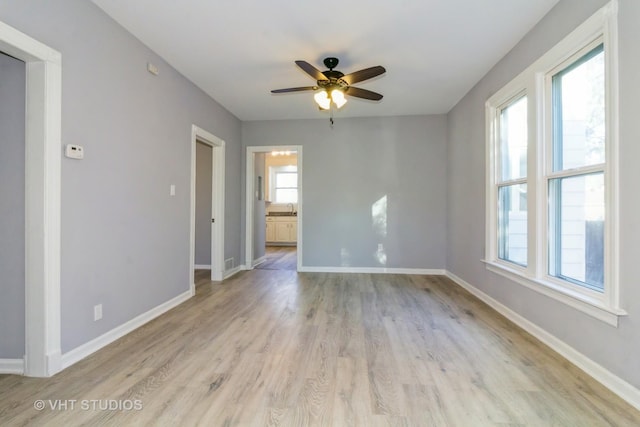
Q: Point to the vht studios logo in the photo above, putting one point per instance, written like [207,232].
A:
[88,405]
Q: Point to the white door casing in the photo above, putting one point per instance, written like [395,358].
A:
[217,201]
[42,199]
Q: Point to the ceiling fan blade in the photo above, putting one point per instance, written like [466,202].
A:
[311,70]
[363,93]
[294,89]
[365,74]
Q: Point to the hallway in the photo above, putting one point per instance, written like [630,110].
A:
[279,258]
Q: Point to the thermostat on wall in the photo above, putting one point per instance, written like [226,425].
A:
[74,151]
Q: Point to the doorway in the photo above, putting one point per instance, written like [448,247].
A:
[204,205]
[207,205]
[274,207]
[42,354]
[12,211]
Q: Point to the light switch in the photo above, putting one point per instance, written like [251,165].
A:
[97,312]
[172,190]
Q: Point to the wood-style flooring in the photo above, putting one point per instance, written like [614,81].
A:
[279,258]
[274,347]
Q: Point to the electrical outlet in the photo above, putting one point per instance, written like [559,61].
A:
[97,312]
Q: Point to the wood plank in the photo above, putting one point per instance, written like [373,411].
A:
[278,348]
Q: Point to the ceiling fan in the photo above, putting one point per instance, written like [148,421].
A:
[333,85]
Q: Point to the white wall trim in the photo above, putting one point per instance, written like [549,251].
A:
[259,261]
[614,383]
[374,270]
[575,300]
[203,266]
[217,202]
[107,338]
[12,366]
[233,271]
[42,199]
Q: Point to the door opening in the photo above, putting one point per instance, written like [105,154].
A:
[274,208]
[12,213]
[207,205]
[204,206]
[42,353]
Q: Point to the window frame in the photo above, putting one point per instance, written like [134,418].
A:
[498,181]
[535,83]
[273,174]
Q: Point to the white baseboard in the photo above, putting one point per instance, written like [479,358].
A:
[614,383]
[54,363]
[233,271]
[259,261]
[372,270]
[96,344]
[202,266]
[12,366]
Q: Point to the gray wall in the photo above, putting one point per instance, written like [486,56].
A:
[203,203]
[12,126]
[347,169]
[259,224]
[617,349]
[125,241]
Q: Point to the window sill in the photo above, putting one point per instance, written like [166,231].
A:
[590,306]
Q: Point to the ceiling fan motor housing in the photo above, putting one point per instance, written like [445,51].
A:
[331,63]
[334,77]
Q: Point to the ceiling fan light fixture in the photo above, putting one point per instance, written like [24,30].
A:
[333,85]
[338,97]
[322,99]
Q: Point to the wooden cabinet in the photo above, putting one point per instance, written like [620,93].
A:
[271,231]
[282,229]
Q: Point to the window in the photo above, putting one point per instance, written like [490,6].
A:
[576,181]
[512,183]
[284,184]
[551,194]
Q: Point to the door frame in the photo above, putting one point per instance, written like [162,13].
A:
[249,192]
[43,145]
[217,204]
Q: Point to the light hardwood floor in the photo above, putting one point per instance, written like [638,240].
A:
[279,258]
[268,348]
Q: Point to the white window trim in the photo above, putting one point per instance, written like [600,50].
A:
[533,83]
[273,171]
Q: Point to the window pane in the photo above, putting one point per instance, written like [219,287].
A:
[286,195]
[287,179]
[579,113]
[513,140]
[512,223]
[576,219]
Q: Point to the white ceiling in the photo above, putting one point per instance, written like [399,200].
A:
[238,50]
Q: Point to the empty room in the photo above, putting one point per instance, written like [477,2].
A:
[368,213]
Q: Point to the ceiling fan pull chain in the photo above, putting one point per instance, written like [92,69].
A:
[331,116]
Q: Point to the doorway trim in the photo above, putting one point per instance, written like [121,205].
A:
[217,204]
[249,193]
[42,200]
